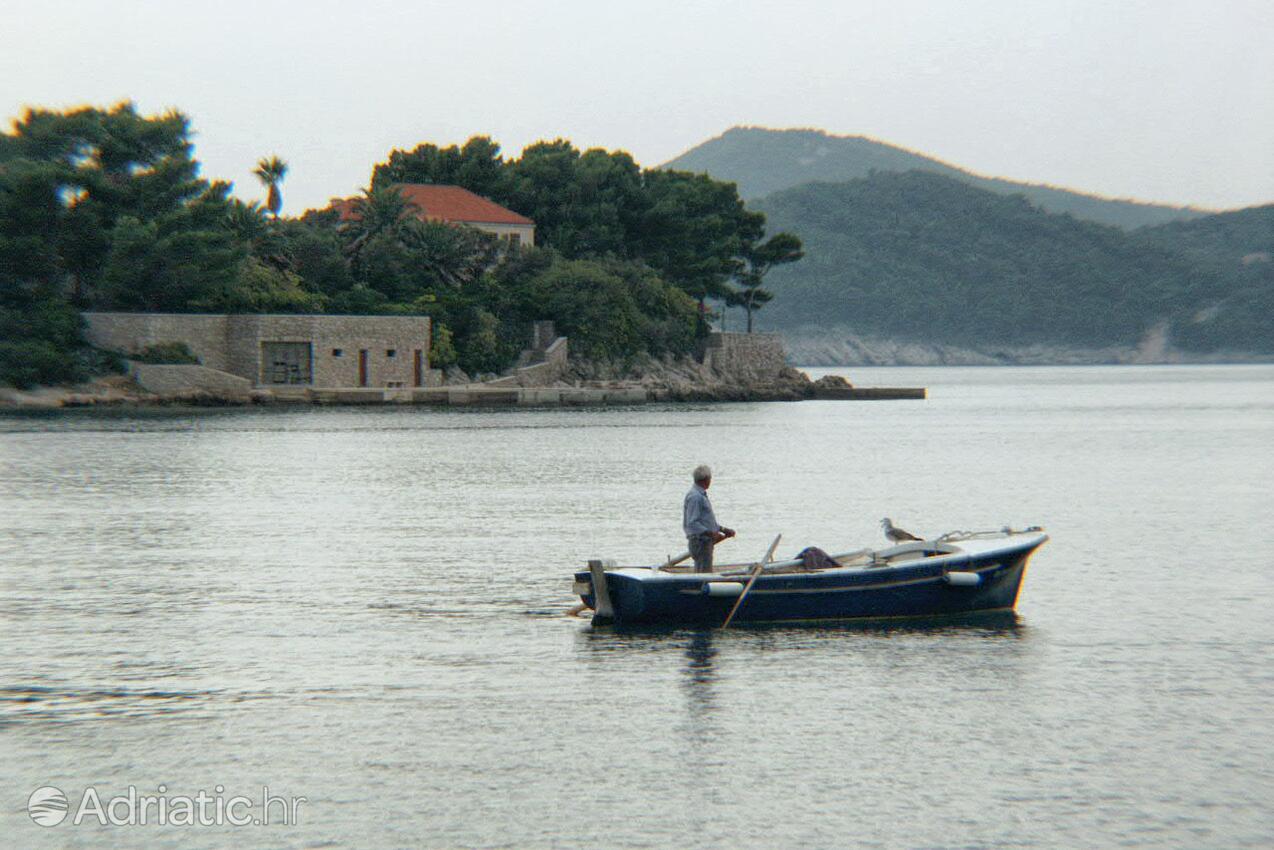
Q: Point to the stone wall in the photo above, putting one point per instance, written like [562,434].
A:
[389,345]
[129,333]
[744,357]
[187,379]
[549,370]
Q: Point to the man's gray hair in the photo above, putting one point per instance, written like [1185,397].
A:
[702,472]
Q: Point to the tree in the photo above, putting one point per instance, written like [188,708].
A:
[100,208]
[84,170]
[261,288]
[779,249]
[380,210]
[271,171]
[583,205]
[175,262]
[695,232]
[478,167]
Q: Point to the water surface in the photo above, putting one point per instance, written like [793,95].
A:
[364,607]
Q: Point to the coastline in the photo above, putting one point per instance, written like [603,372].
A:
[839,347]
[585,383]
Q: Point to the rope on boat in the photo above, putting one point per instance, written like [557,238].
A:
[1006,531]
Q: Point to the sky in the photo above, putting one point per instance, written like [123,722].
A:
[1169,101]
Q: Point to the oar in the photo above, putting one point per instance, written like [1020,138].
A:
[672,562]
[769,556]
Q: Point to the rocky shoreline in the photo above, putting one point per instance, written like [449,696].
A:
[664,379]
[686,379]
[841,347]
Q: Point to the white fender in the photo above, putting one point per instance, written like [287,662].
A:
[722,588]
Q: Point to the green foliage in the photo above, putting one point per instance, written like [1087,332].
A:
[762,161]
[81,172]
[1232,293]
[40,335]
[442,348]
[31,362]
[780,249]
[315,252]
[103,209]
[484,349]
[696,232]
[611,309]
[359,300]
[261,288]
[184,259]
[919,256]
[582,204]
[166,352]
[693,230]
[478,166]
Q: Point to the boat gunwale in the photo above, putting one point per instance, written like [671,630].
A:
[1013,544]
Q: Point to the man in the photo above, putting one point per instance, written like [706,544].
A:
[699,523]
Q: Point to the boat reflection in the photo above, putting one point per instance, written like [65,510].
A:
[702,647]
[990,623]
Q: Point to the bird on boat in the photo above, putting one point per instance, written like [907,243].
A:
[895,534]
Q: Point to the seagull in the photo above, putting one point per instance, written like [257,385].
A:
[896,535]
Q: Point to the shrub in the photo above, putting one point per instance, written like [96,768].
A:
[32,362]
[166,352]
[442,349]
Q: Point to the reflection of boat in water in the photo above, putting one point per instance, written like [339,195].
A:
[956,574]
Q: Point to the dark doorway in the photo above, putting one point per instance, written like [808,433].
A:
[362,367]
[420,368]
[286,363]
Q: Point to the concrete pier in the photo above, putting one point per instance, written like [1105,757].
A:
[869,393]
[482,395]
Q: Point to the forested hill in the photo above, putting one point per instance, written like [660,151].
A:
[762,161]
[919,256]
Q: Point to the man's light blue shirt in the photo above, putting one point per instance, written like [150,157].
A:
[696,513]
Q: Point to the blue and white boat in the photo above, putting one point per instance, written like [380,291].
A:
[957,574]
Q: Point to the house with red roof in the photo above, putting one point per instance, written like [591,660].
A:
[456,205]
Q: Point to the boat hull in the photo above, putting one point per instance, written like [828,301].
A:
[933,587]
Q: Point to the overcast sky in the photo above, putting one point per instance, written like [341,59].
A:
[1170,100]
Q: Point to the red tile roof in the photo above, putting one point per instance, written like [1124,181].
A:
[446,203]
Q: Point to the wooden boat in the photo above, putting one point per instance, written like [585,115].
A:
[956,574]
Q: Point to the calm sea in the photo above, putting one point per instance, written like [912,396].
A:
[365,608]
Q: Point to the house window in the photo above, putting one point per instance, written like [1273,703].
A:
[514,238]
[338,352]
[391,352]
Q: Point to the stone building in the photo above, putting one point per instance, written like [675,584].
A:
[284,350]
[455,205]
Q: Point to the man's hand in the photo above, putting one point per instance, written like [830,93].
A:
[724,533]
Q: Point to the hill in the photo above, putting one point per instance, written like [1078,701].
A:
[1233,259]
[762,161]
[919,256]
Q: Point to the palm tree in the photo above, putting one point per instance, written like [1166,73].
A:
[378,211]
[271,171]
[264,239]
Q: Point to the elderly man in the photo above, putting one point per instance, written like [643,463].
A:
[699,523]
